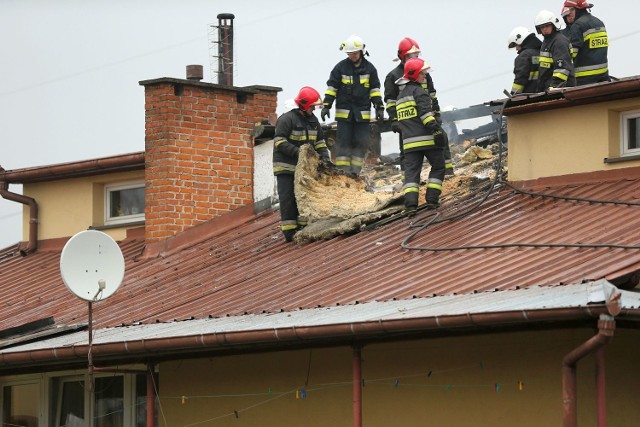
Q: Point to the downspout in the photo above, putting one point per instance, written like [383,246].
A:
[356,367]
[151,397]
[606,326]
[33,215]
[601,399]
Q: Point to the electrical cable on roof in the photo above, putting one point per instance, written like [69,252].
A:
[499,182]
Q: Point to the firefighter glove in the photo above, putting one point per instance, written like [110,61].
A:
[438,137]
[327,163]
[380,113]
[325,113]
[395,126]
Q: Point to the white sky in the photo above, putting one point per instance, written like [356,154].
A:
[69,69]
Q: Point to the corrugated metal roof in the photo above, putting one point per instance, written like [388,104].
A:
[250,269]
[525,300]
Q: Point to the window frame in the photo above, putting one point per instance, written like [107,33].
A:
[625,151]
[50,400]
[125,219]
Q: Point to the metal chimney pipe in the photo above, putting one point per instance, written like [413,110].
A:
[194,72]
[225,49]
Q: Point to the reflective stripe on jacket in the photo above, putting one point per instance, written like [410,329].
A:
[354,90]
[293,129]
[416,119]
[526,65]
[556,65]
[589,48]
[392,90]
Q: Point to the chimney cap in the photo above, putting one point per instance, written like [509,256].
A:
[226,16]
[194,72]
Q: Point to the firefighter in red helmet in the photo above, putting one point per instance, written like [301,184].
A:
[589,43]
[293,129]
[409,48]
[420,130]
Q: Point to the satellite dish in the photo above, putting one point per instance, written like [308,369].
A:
[92,265]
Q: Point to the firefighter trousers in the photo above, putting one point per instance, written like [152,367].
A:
[448,162]
[288,205]
[413,161]
[352,141]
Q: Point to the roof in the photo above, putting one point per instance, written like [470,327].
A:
[624,88]
[310,325]
[251,270]
[112,164]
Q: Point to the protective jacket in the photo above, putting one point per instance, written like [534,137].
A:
[416,118]
[525,66]
[556,65]
[589,48]
[293,129]
[354,89]
[391,91]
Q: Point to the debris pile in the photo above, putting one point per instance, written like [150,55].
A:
[336,204]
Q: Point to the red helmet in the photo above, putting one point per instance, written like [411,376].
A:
[308,97]
[407,45]
[412,68]
[578,4]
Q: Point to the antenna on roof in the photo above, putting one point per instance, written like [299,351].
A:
[92,268]
[223,59]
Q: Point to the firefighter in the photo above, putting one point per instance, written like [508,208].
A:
[525,65]
[556,65]
[409,48]
[293,129]
[589,43]
[421,137]
[354,86]
[568,20]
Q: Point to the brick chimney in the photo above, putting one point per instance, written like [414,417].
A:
[198,151]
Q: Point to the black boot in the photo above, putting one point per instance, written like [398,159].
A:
[288,235]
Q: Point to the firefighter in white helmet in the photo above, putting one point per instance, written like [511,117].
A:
[525,65]
[354,86]
[556,64]
[294,129]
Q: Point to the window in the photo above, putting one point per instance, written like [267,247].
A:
[64,400]
[630,123]
[67,406]
[124,203]
[20,404]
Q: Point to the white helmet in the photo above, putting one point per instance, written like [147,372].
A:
[547,17]
[353,44]
[517,36]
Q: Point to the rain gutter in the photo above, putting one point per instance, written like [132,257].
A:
[304,334]
[122,163]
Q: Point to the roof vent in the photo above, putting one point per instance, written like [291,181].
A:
[194,72]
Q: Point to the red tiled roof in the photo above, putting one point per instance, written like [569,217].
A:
[250,269]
